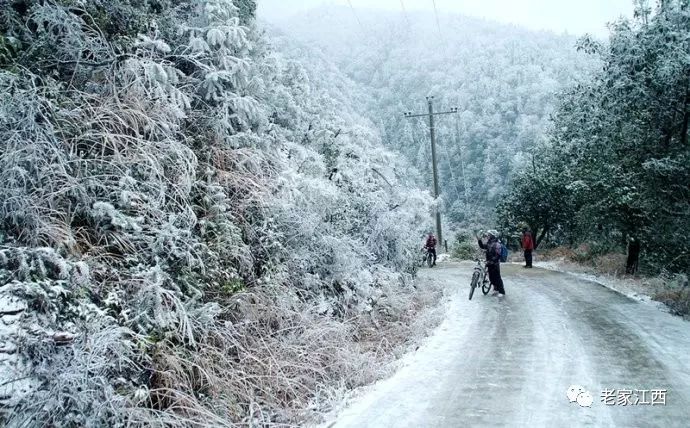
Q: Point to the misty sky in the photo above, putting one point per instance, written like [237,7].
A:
[574,16]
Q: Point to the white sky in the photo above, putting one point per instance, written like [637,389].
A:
[575,16]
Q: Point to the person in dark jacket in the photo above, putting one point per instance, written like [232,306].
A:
[527,244]
[430,246]
[493,261]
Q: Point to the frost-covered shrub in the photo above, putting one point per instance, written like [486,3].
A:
[674,291]
[190,223]
[464,248]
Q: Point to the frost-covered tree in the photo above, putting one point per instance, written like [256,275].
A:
[620,142]
[179,204]
[504,81]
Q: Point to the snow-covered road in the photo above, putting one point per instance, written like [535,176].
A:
[510,362]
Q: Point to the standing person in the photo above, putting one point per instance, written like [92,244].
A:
[527,244]
[430,247]
[493,261]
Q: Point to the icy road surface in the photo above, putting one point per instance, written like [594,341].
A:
[511,362]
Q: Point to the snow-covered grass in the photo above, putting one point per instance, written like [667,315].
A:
[403,373]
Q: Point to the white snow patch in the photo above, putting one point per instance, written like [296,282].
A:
[12,386]
[442,257]
[11,304]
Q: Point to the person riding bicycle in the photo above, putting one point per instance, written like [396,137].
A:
[493,260]
[430,247]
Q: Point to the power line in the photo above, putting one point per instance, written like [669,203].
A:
[407,18]
[438,24]
[354,12]
[450,169]
[462,160]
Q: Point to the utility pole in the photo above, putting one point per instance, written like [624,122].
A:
[432,132]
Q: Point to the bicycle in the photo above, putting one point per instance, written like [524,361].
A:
[480,276]
[428,258]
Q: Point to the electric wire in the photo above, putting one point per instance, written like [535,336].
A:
[450,169]
[354,12]
[438,24]
[407,18]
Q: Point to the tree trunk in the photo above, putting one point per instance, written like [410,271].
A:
[686,119]
[541,237]
[633,261]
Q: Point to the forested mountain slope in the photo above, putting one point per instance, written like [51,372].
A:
[615,171]
[504,80]
[192,231]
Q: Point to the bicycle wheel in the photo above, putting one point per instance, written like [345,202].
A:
[429,260]
[486,286]
[473,285]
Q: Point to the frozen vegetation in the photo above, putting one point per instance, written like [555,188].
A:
[193,229]
[209,221]
[583,140]
[503,79]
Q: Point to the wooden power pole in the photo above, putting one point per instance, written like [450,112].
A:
[432,132]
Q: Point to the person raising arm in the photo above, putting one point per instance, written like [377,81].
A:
[493,260]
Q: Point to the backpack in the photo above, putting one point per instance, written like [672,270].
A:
[503,252]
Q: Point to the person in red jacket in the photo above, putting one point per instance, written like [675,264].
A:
[527,246]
